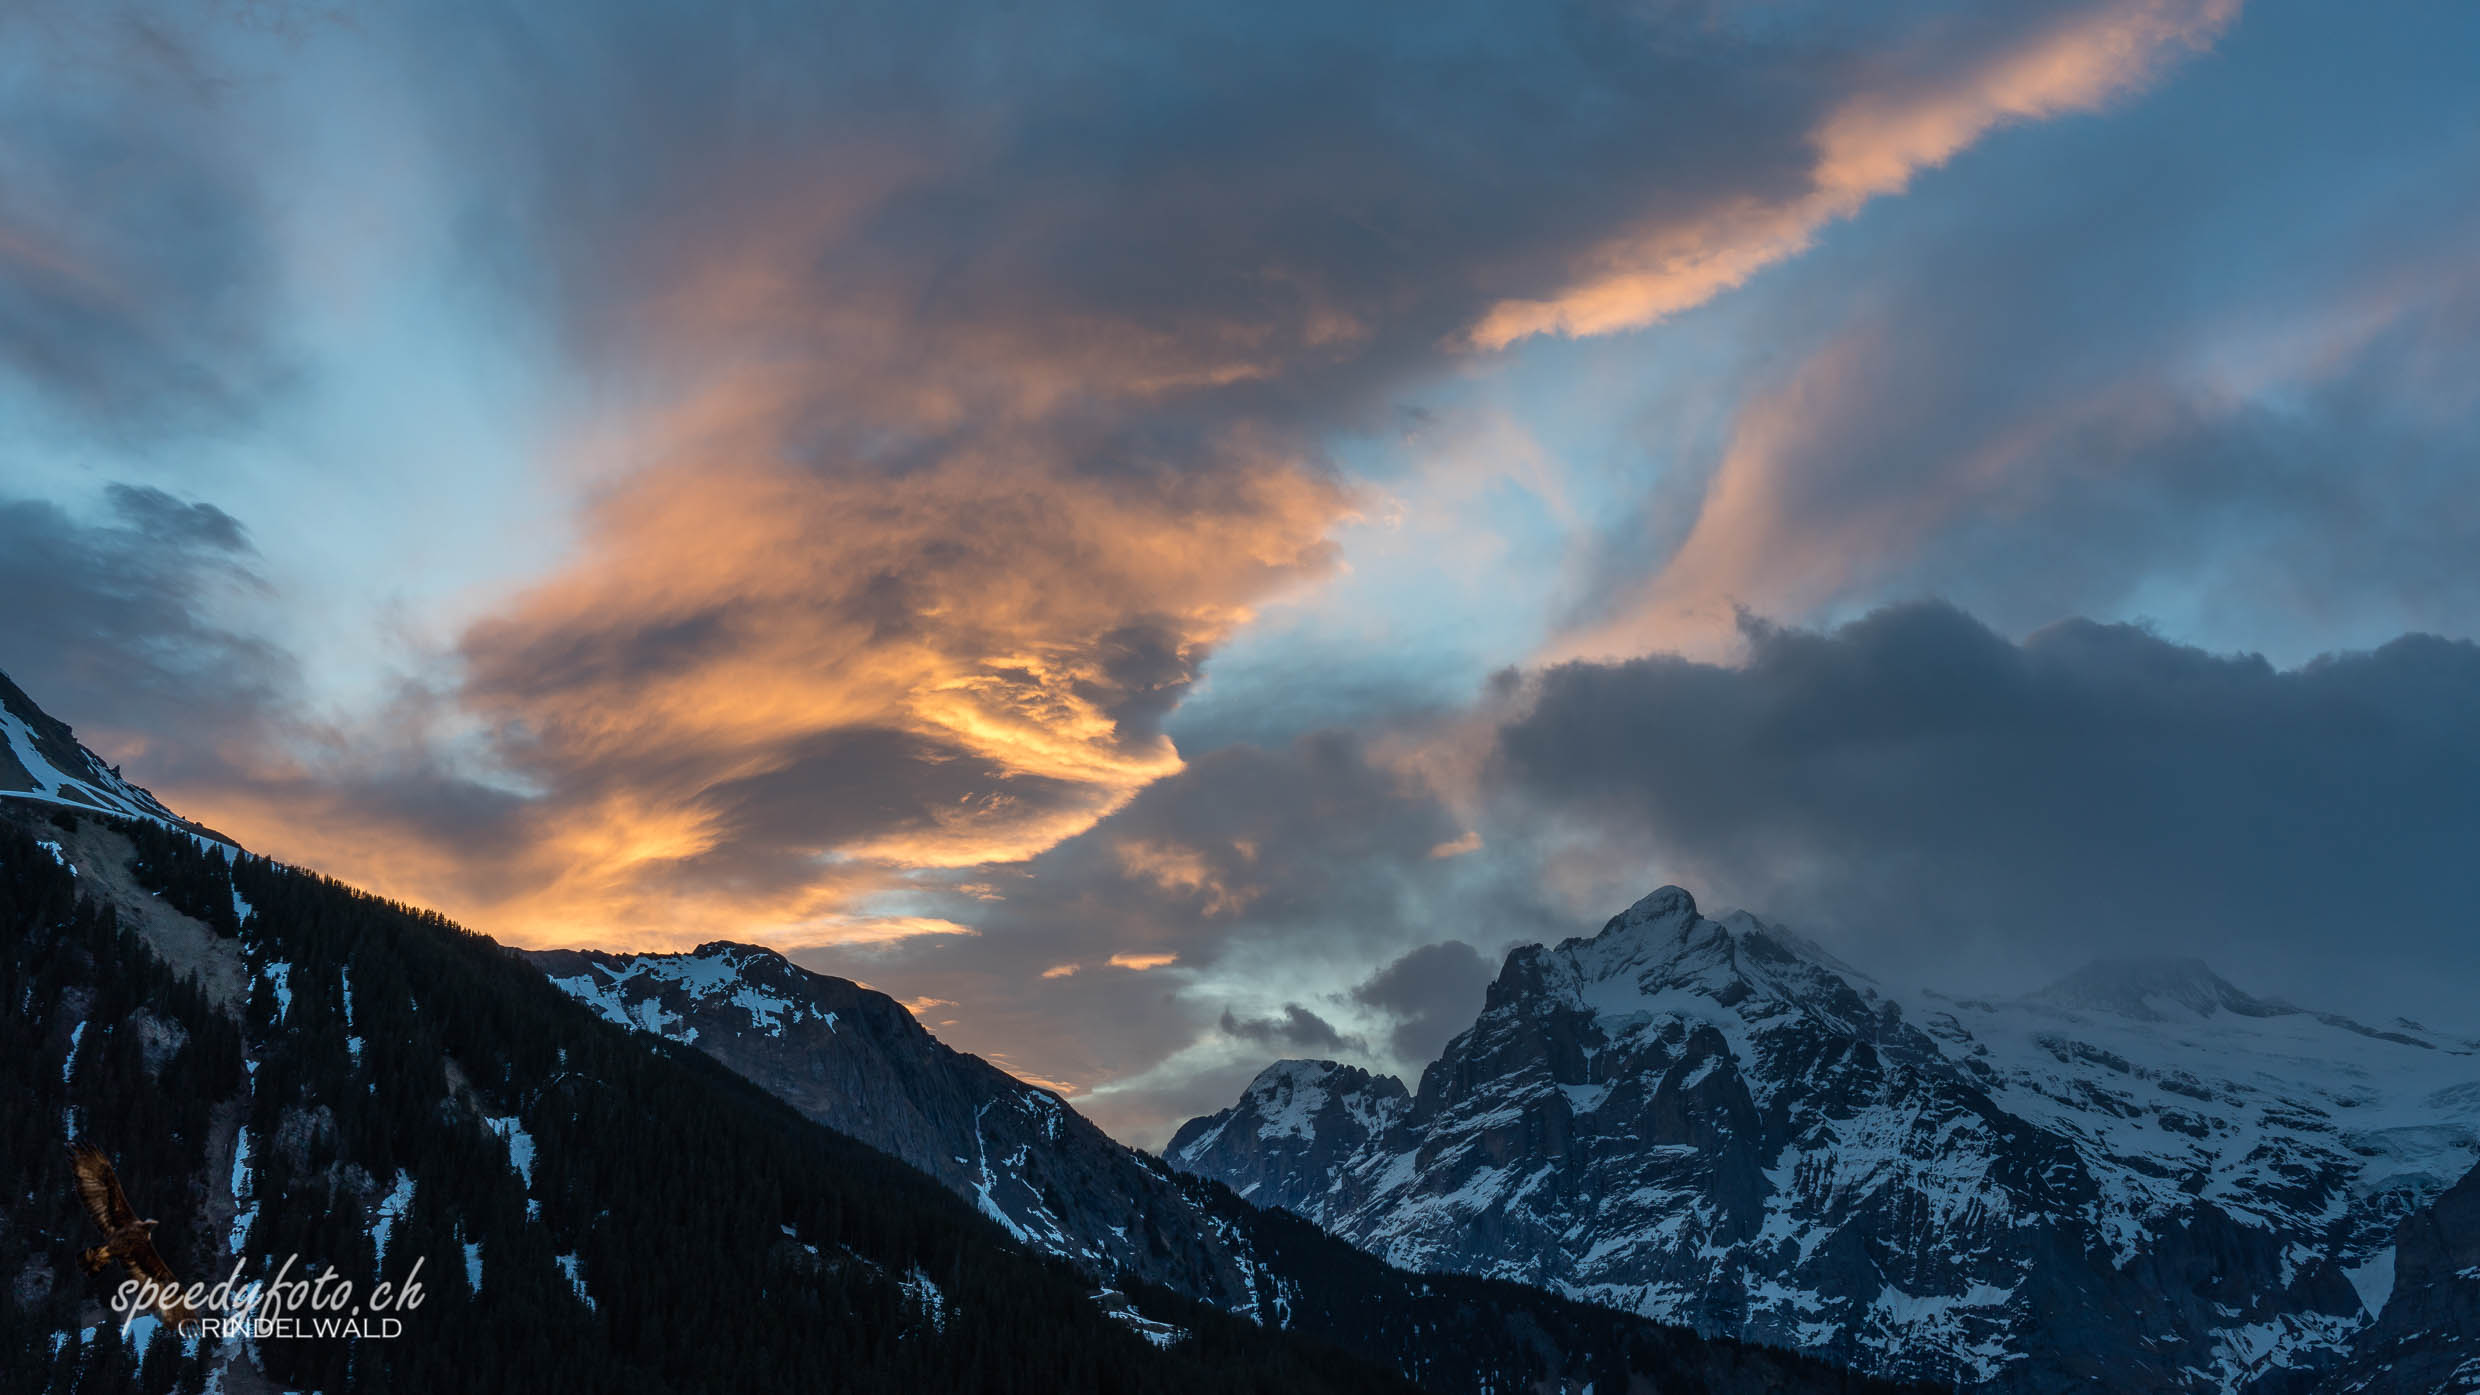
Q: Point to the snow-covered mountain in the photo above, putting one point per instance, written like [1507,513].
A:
[2141,1176]
[42,761]
[1300,1123]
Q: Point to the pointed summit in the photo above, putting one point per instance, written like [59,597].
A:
[2152,990]
[1670,904]
[42,761]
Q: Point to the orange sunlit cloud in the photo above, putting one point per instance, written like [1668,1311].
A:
[1142,962]
[1182,871]
[1057,1087]
[1870,146]
[779,672]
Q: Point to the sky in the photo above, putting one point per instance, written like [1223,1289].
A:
[1169,536]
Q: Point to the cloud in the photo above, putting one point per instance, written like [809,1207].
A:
[1434,992]
[955,384]
[959,663]
[136,611]
[1140,963]
[953,388]
[1298,1029]
[138,282]
[1950,804]
[1185,872]
[2087,381]
[1326,848]
[1896,122]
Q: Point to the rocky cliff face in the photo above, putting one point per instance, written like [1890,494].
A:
[2142,1177]
[2427,1340]
[856,1061]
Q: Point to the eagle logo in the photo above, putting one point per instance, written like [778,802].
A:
[126,1238]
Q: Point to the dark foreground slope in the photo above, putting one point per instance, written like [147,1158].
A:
[367,1085]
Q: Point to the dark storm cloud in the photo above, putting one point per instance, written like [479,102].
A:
[130,613]
[1315,860]
[127,626]
[1298,1029]
[884,780]
[1316,839]
[1330,173]
[1435,991]
[1944,800]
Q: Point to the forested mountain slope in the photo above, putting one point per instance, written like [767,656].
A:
[365,1084]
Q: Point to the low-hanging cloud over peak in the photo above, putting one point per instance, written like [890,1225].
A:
[1942,795]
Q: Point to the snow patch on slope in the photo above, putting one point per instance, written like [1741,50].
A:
[631,992]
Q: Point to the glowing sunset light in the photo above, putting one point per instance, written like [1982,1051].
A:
[1008,503]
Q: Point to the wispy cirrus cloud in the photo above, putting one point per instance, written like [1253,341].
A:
[2036,418]
[1906,112]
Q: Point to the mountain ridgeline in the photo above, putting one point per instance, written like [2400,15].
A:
[2141,1179]
[1691,1155]
[363,1084]
[856,1060]
[280,1065]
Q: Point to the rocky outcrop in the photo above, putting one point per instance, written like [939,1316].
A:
[2427,1339]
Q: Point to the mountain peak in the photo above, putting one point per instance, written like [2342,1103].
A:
[1294,1119]
[1662,934]
[1292,1071]
[43,762]
[737,951]
[1669,905]
[2150,989]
